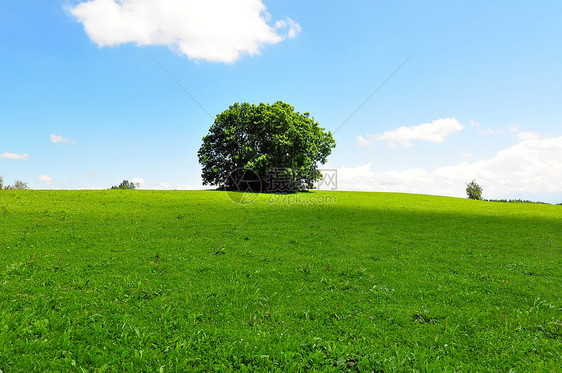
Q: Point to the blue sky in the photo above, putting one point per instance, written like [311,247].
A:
[84,105]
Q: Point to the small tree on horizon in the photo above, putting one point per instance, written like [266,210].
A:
[1,182]
[20,185]
[125,184]
[474,191]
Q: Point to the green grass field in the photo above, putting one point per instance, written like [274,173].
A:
[132,281]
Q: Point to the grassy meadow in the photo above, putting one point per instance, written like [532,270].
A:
[181,281]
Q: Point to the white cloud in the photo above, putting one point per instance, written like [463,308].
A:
[489,131]
[467,155]
[435,132]
[530,167]
[14,155]
[210,30]
[291,26]
[363,142]
[46,179]
[523,135]
[139,180]
[55,139]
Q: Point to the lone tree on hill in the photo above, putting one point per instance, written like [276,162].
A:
[272,140]
[474,191]
[1,182]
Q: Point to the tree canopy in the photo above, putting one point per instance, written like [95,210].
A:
[272,140]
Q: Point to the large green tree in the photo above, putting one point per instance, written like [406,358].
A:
[272,140]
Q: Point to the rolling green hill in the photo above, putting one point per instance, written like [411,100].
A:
[337,281]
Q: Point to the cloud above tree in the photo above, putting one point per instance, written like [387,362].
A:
[204,30]
[435,132]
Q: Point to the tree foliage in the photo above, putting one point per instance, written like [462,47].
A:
[474,191]
[262,138]
[1,182]
[125,184]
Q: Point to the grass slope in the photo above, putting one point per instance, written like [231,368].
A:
[189,281]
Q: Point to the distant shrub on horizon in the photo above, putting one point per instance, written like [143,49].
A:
[18,185]
[125,184]
[517,201]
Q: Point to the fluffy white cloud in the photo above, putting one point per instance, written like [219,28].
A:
[485,130]
[139,180]
[474,123]
[210,30]
[489,131]
[55,139]
[363,142]
[435,131]
[292,28]
[14,155]
[530,167]
[46,179]
[523,135]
